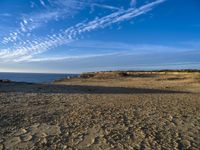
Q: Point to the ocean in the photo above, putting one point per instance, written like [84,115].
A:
[34,77]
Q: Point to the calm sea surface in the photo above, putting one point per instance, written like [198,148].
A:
[34,77]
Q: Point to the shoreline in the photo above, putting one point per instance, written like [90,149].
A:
[104,74]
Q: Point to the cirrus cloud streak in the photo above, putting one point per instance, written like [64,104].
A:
[26,50]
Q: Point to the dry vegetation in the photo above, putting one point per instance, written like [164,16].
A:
[105,110]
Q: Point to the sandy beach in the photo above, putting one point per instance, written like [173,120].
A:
[146,110]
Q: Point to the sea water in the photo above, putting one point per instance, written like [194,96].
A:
[34,77]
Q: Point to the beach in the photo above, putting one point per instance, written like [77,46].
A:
[99,111]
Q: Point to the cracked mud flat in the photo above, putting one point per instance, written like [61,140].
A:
[155,112]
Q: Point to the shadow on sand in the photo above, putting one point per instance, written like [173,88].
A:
[78,89]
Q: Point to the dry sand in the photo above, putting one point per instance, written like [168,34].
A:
[145,111]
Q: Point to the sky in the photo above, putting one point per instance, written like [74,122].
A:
[73,36]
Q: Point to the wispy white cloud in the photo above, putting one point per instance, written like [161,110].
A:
[37,20]
[5,15]
[72,57]
[32,21]
[105,49]
[54,10]
[93,4]
[42,3]
[105,6]
[119,16]
[28,49]
[118,46]
[86,3]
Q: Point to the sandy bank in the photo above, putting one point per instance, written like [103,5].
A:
[141,111]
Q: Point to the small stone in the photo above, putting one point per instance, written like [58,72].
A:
[20,132]
[26,137]
[64,147]
[137,147]
[185,144]
[42,134]
[43,141]
[35,125]
[170,118]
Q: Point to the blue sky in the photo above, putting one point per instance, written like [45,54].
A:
[72,36]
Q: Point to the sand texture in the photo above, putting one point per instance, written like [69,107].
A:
[142,111]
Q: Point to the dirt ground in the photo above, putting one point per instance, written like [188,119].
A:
[142,111]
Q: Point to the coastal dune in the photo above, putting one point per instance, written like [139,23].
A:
[103,110]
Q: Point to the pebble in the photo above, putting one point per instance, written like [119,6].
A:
[43,141]
[64,147]
[20,132]
[26,137]
[185,144]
